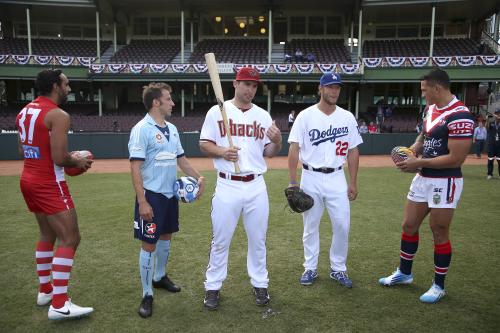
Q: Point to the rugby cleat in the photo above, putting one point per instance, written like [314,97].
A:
[396,278]
[433,295]
[341,277]
[43,299]
[69,311]
[308,277]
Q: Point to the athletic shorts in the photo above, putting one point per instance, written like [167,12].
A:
[165,220]
[47,198]
[494,150]
[437,192]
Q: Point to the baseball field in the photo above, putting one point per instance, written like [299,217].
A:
[106,274]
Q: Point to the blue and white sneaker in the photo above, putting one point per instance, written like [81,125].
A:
[433,295]
[341,277]
[396,278]
[308,277]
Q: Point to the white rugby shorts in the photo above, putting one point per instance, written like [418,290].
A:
[437,192]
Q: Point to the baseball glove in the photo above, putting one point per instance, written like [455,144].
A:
[298,200]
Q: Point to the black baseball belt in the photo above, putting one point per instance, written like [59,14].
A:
[322,170]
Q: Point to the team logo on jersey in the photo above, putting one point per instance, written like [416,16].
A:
[150,228]
[159,138]
[316,137]
[432,145]
[254,130]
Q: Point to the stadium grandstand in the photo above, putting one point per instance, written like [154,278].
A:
[111,48]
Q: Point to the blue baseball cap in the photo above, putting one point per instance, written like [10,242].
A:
[330,78]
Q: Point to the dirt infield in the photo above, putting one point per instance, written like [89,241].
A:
[13,168]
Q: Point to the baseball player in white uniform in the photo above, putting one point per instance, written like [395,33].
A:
[323,137]
[254,136]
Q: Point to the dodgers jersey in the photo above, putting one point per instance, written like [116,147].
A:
[454,121]
[159,149]
[248,130]
[325,140]
[35,141]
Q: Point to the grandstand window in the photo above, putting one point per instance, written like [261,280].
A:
[71,31]
[385,31]
[333,25]
[141,26]
[407,31]
[298,25]
[157,26]
[426,30]
[174,26]
[316,25]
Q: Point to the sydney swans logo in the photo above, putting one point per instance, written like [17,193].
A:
[317,137]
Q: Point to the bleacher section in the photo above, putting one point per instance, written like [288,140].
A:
[420,48]
[324,50]
[232,50]
[52,47]
[160,51]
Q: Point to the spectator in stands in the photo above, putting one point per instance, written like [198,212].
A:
[380,111]
[291,119]
[288,58]
[389,110]
[481,48]
[310,57]
[363,129]
[115,126]
[479,138]
[299,56]
[372,128]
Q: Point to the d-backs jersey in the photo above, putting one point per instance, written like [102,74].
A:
[248,131]
[455,122]
[35,141]
[325,140]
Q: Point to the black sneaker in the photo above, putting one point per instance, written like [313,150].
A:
[146,308]
[261,296]
[211,300]
[166,284]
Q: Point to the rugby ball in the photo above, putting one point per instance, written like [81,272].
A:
[186,189]
[401,153]
[75,171]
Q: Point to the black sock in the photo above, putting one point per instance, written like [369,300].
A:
[442,259]
[409,246]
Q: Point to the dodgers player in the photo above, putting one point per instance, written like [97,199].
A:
[324,136]
[254,135]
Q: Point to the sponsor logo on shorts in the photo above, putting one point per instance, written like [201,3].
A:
[436,199]
[150,228]
[411,193]
[438,190]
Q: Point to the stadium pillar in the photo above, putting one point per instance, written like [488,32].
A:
[98,39]
[431,47]
[357,104]
[28,26]
[114,37]
[270,38]
[269,95]
[100,102]
[352,35]
[183,110]
[182,46]
[497,26]
[191,27]
[359,34]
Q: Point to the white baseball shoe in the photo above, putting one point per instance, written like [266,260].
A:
[69,311]
[43,299]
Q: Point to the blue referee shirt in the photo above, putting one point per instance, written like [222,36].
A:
[159,148]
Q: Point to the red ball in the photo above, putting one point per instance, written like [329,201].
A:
[75,171]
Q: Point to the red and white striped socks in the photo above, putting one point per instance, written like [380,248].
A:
[44,253]
[61,269]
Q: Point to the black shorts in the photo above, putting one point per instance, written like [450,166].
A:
[165,220]
[494,150]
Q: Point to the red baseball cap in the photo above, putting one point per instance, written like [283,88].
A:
[248,74]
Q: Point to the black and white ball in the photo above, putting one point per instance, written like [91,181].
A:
[186,189]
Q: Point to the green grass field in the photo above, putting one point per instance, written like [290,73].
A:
[106,275]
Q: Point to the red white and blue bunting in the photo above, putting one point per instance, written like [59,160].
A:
[395,61]
[97,68]
[490,60]
[21,59]
[466,60]
[85,61]
[200,68]
[116,68]
[42,60]
[179,68]
[3,58]
[137,68]
[304,68]
[442,61]
[372,62]
[327,68]
[158,68]
[419,61]
[282,68]
[65,60]
[262,68]
[349,68]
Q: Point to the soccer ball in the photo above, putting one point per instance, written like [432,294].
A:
[74,171]
[400,154]
[186,189]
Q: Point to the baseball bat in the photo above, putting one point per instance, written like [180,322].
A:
[216,85]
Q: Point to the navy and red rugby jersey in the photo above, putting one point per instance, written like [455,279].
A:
[35,141]
[454,121]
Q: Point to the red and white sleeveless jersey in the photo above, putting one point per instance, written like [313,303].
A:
[35,141]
